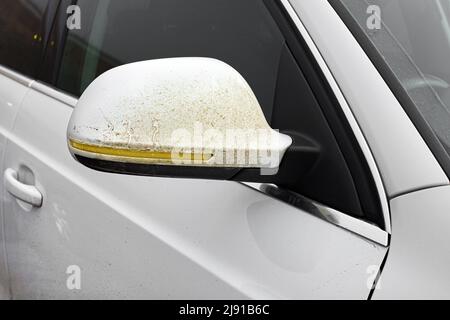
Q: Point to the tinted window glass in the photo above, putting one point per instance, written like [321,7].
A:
[22,38]
[115,32]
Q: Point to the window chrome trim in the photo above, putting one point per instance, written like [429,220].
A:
[362,228]
[15,76]
[350,118]
[61,96]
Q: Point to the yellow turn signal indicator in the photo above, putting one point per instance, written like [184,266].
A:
[140,154]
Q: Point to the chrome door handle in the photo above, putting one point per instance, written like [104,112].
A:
[24,192]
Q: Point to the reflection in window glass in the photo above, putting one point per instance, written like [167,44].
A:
[114,32]
[21,39]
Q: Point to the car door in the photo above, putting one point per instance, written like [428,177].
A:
[20,48]
[11,95]
[102,235]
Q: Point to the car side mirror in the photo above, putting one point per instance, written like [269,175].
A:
[177,117]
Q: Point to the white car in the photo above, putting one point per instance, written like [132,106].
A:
[108,194]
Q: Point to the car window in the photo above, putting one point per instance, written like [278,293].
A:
[115,32]
[409,42]
[22,39]
[247,35]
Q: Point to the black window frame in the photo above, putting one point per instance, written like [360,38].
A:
[54,48]
[356,161]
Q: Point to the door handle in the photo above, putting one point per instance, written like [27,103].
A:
[24,192]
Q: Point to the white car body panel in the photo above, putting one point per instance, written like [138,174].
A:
[419,254]
[142,237]
[11,95]
[397,146]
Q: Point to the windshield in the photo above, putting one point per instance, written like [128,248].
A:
[411,38]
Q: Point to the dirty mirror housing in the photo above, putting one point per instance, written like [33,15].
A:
[177,117]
